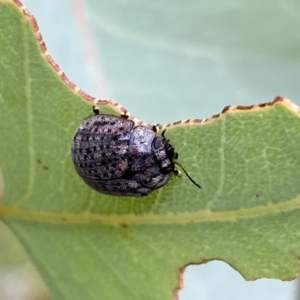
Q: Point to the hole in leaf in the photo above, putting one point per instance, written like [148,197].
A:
[217,280]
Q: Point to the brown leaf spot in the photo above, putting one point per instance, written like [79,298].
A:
[42,165]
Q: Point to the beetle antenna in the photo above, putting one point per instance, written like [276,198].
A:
[188,176]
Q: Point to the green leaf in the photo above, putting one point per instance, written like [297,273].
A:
[88,245]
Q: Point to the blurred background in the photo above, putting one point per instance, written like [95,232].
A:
[165,61]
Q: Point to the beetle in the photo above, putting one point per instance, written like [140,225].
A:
[115,157]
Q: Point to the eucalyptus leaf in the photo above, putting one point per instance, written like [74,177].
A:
[89,246]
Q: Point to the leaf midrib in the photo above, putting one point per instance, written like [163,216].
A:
[149,218]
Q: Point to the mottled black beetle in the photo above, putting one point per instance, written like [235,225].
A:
[117,158]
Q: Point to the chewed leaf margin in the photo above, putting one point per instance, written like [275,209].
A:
[230,109]
[118,108]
